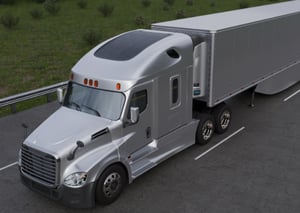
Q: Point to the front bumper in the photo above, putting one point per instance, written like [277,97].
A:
[83,197]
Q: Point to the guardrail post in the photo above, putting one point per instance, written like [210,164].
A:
[13,108]
[49,98]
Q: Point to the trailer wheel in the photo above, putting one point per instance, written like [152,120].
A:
[111,184]
[222,115]
[205,129]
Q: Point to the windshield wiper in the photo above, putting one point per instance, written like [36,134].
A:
[78,108]
[95,111]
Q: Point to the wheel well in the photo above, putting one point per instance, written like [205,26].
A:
[116,163]
[200,107]
[99,194]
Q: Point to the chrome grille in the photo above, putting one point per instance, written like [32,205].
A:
[39,165]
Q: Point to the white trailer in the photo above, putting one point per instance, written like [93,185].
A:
[243,48]
[141,97]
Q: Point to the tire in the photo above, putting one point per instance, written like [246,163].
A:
[111,184]
[222,115]
[205,128]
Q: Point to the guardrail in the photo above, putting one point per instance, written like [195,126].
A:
[12,100]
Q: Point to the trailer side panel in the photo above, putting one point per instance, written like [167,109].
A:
[248,55]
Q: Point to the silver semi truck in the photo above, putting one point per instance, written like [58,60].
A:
[139,98]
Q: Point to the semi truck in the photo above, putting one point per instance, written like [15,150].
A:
[139,98]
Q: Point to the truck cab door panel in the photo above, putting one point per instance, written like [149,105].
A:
[140,132]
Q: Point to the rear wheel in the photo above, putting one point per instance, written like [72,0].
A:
[222,115]
[110,184]
[205,128]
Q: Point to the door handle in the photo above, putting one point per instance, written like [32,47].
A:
[148,132]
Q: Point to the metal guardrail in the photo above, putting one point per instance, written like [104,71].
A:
[12,100]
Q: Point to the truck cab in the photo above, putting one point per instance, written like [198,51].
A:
[127,108]
[143,96]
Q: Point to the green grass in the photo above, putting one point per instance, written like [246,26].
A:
[40,52]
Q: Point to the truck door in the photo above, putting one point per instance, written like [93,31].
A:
[140,133]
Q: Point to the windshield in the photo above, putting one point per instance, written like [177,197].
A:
[94,101]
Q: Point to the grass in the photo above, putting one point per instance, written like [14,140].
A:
[37,53]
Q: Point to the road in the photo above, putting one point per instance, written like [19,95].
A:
[254,167]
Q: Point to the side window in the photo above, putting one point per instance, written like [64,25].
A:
[138,99]
[175,91]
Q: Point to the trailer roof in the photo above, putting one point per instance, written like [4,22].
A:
[231,19]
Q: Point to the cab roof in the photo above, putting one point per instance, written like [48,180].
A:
[128,45]
[132,57]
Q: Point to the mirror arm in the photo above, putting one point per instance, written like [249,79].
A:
[134,115]
[71,156]
[60,95]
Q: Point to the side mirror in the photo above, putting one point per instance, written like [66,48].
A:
[60,95]
[134,114]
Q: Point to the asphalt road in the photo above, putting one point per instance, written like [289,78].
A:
[255,170]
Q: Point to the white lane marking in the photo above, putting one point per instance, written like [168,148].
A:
[10,165]
[218,144]
[292,95]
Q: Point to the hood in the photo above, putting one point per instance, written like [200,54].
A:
[60,132]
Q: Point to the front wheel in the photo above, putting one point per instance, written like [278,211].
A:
[110,184]
[205,129]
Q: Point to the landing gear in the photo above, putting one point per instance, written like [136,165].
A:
[252,90]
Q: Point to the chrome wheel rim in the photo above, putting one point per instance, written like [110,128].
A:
[207,129]
[225,119]
[112,184]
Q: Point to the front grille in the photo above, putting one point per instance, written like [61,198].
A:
[49,192]
[39,165]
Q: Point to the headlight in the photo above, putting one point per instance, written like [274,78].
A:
[76,180]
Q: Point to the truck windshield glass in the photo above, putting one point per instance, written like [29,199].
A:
[94,101]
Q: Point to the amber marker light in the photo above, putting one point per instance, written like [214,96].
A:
[90,82]
[118,86]
[96,83]
[85,81]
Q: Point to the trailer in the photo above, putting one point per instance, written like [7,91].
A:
[143,96]
[241,49]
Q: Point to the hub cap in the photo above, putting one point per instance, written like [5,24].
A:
[111,184]
[207,129]
[225,119]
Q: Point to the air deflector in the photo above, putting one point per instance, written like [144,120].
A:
[129,45]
